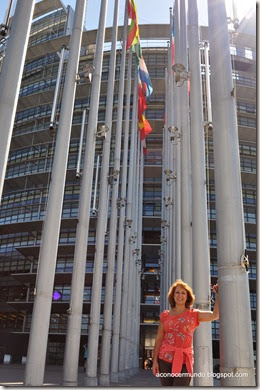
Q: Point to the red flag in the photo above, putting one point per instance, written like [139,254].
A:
[144,127]
[143,124]
[173,48]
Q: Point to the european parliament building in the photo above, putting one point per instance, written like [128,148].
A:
[28,176]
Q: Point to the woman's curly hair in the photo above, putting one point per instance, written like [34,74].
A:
[190,295]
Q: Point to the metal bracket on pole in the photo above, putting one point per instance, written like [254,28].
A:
[168,201]
[3,30]
[128,223]
[181,74]
[169,176]
[132,238]
[163,239]
[245,261]
[161,253]
[121,203]
[208,126]
[136,252]
[164,224]
[88,71]
[175,134]
[234,21]
[94,212]
[101,132]
[160,261]
[113,178]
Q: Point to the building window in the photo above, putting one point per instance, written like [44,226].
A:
[252,271]
[254,329]
[253,300]
[215,329]
[213,268]
[251,241]
[249,214]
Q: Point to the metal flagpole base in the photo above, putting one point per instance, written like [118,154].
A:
[91,381]
[121,375]
[127,373]
[238,376]
[114,377]
[104,379]
[70,383]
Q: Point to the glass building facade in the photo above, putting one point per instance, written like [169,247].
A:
[25,196]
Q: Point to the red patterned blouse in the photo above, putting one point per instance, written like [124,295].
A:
[176,347]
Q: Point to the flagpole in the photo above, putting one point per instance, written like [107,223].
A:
[207,81]
[101,221]
[70,368]
[178,141]
[167,199]
[106,353]
[78,276]
[186,217]
[11,76]
[170,167]
[36,355]
[139,255]
[135,297]
[172,154]
[236,344]
[127,270]
[121,224]
[200,242]
[163,254]
[131,205]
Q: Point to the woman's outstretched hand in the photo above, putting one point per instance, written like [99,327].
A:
[155,368]
[215,289]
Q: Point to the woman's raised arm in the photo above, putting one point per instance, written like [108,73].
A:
[207,316]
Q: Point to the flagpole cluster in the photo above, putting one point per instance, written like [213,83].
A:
[118,198]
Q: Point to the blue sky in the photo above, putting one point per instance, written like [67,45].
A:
[149,11]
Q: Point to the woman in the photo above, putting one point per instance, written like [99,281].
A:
[173,351]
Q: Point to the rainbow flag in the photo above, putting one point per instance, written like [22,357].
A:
[145,88]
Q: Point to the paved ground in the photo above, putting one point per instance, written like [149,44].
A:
[12,375]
